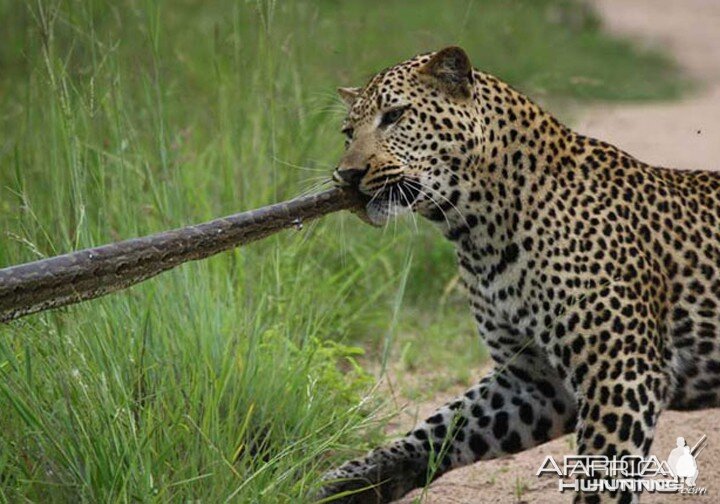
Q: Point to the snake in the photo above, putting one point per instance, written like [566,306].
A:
[93,272]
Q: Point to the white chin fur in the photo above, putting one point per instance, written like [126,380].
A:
[379,212]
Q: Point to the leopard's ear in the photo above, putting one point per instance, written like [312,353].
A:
[348,94]
[451,69]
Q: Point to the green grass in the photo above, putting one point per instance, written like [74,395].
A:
[236,378]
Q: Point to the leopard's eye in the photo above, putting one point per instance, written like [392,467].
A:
[348,132]
[392,116]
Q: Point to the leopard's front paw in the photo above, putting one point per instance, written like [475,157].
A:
[341,489]
[374,480]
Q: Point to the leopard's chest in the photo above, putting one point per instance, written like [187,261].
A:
[498,285]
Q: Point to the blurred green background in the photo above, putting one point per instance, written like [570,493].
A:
[240,377]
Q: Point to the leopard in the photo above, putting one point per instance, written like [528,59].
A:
[593,277]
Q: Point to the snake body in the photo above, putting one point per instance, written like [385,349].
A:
[90,273]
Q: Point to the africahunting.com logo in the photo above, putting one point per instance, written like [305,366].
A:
[598,473]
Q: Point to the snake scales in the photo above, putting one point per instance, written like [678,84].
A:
[90,273]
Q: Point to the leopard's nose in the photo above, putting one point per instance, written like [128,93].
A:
[351,176]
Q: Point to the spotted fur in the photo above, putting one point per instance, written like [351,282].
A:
[594,278]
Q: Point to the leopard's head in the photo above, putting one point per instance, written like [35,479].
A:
[410,132]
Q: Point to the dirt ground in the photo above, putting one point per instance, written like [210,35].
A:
[683,134]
